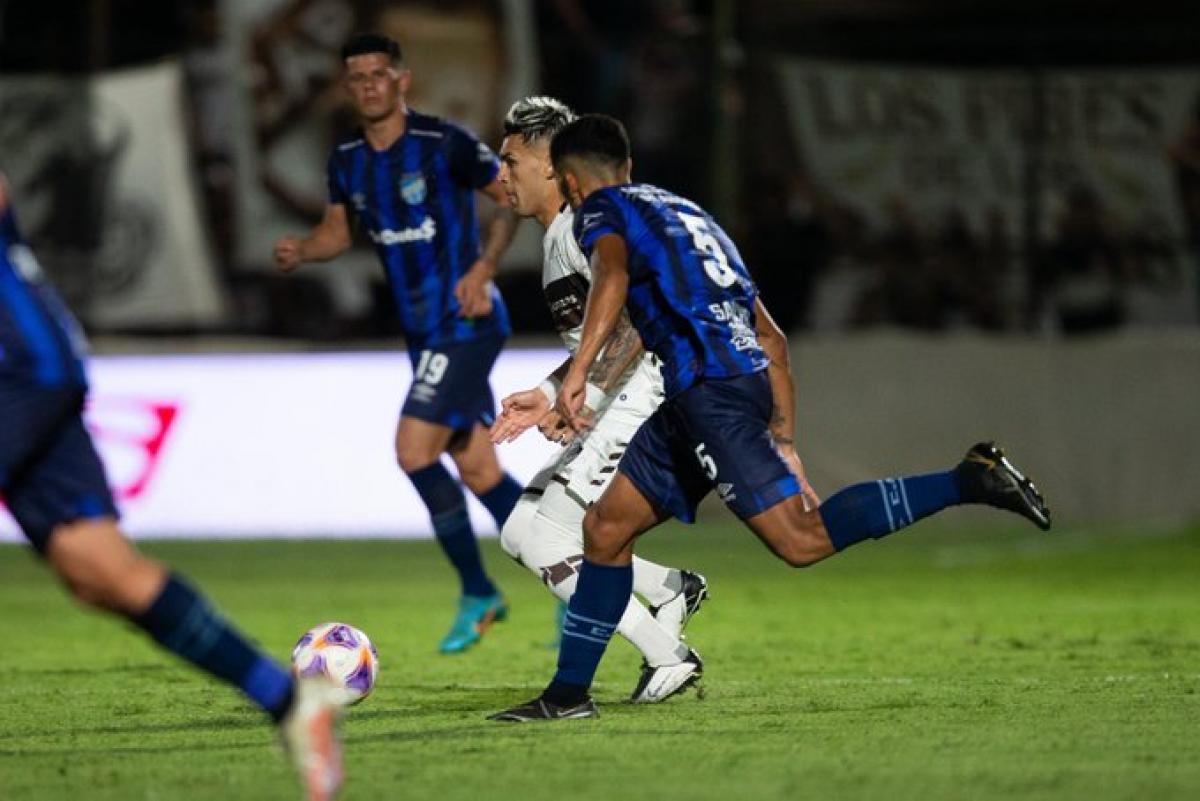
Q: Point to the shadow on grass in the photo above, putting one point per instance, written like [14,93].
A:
[143,668]
[117,750]
[436,701]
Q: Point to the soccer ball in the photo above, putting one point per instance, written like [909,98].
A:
[343,654]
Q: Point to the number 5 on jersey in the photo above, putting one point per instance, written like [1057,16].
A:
[717,267]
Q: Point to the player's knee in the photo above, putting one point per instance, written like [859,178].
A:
[412,458]
[798,556]
[512,535]
[82,590]
[517,529]
[478,478]
[94,584]
[603,538]
[803,548]
[101,569]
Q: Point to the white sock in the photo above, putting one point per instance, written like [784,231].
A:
[553,553]
[654,582]
[657,645]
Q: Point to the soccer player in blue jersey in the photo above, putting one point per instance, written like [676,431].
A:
[410,182]
[545,531]
[727,422]
[54,485]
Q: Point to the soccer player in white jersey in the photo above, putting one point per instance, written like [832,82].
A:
[545,531]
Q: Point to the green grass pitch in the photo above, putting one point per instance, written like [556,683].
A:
[954,661]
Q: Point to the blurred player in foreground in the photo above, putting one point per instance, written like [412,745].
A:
[410,181]
[55,488]
[545,531]
[727,422]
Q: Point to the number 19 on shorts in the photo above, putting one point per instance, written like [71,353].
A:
[431,367]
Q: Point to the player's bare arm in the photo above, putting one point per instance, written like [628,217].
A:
[606,300]
[527,408]
[473,289]
[783,395]
[329,239]
[621,350]
[783,390]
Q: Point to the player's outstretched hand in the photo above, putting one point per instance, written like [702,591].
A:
[287,254]
[519,412]
[473,291]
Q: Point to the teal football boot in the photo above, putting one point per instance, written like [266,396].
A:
[475,616]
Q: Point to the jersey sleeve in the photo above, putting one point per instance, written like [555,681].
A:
[472,163]
[333,177]
[599,215]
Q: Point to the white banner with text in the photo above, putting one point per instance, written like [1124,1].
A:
[273,445]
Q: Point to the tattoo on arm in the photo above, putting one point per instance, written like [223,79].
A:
[622,348]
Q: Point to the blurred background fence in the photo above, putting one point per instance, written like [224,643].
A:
[977,185]
[998,167]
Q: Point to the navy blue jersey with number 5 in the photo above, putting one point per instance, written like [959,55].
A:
[690,296]
[416,201]
[39,339]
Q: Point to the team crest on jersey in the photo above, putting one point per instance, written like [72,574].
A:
[359,200]
[412,188]
[25,263]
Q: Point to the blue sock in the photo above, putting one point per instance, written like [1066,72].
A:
[501,499]
[181,621]
[448,509]
[596,607]
[874,509]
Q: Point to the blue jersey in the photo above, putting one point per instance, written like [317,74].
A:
[690,296]
[416,201]
[39,339]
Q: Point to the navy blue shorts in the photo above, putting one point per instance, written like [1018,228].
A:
[49,471]
[450,383]
[711,435]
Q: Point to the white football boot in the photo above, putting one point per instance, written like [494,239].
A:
[660,683]
[309,732]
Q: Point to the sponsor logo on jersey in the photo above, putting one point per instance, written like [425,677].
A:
[566,298]
[425,232]
[412,188]
[25,263]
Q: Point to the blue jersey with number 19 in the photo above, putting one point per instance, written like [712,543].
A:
[690,296]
